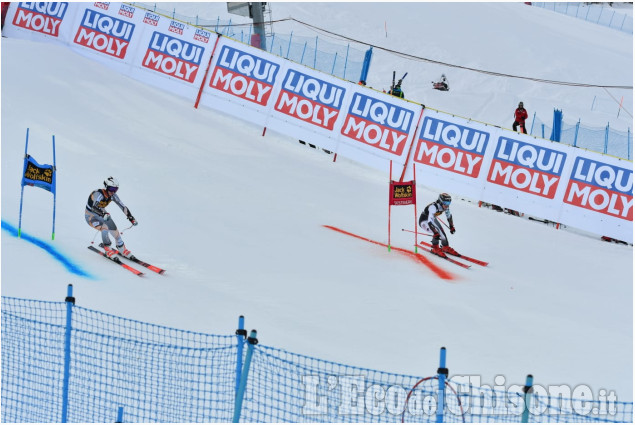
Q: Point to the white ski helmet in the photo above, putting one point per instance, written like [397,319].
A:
[111,184]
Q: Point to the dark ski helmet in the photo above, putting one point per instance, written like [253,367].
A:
[111,184]
[445,200]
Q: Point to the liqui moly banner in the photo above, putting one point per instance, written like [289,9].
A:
[599,196]
[526,167]
[453,150]
[378,128]
[527,174]
[38,21]
[241,81]
[308,105]
[104,34]
[173,57]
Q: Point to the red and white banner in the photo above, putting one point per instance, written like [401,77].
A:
[590,191]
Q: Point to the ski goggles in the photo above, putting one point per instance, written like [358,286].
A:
[112,189]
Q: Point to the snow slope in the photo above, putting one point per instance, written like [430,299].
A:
[237,218]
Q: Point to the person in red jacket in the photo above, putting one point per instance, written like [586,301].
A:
[519,118]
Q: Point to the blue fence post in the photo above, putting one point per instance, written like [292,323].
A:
[70,302]
[368,56]
[333,67]
[556,129]
[289,47]
[442,375]
[606,138]
[273,37]
[531,131]
[315,57]
[575,136]
[252,341]
[119,415]
[528,390]
[241,334]
[628,142]
[348,47]
[303,50]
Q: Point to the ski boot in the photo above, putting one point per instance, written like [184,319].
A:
[436,250]
[124,252]
[449,250]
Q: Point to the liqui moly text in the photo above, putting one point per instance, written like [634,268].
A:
[151,19]
[244,75]
[126,11]
[310,99]
[527,167]
[104,33]
[378,123]
[40,17]
[601,187]
[172,56]
[452,147]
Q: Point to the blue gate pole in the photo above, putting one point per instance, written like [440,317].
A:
[241,334]
[334,60]
[54,190]
[528,390]
[238,405]
[606,138]
[26,149]
[315,57]
[70,302]
[442,375]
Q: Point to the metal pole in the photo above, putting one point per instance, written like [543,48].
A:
[26,149]
[303,50]
[289,47]
[528,390]
[241,334]
[252,341]
[54,181]
[348,47]
[70,302]
[119,415]
[577,129]
[333,67]
[259,24]
[443,374]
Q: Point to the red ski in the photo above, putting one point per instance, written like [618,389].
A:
[465,257]
[451,260]
[116,260]
[142,263]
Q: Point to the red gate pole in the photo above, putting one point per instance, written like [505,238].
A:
[200,90]
[389,203]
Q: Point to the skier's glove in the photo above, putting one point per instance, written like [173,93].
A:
[106,217]
[452,230]
[133,221]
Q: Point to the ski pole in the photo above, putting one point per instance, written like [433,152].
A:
[131,226]
[443,222]
[419,233]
